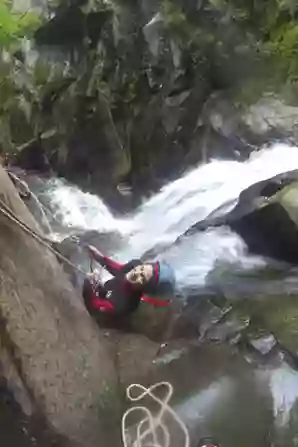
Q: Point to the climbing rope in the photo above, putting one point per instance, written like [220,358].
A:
[152,431]
[7,212]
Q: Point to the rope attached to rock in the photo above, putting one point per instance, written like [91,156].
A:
[7,212]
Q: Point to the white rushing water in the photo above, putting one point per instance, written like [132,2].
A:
[176,207]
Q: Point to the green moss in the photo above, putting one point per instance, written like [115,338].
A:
[279,314]
[14,26]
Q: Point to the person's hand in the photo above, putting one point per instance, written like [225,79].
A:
[93,251]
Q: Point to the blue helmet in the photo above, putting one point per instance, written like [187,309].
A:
[163,281]
[166,275]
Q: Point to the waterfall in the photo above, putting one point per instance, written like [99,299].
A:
[166,215]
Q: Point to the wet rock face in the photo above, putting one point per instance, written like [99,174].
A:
[47,334]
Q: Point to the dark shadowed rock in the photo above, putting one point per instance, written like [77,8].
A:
[33,157]
[70,25]
[265,217]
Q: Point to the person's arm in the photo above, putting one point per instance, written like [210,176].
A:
[154,301]
[112,266]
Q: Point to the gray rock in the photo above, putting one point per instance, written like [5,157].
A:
[152,33]
[228,329]
[264,344]
[269,113]
[270,117]
[211,318]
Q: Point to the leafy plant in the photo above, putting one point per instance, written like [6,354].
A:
[14,26]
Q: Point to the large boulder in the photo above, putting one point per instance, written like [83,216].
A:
[265,216]
[54,358]
[272,116]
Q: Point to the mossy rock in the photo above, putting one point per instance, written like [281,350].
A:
[279,315]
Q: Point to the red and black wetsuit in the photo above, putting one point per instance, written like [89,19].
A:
[117,296]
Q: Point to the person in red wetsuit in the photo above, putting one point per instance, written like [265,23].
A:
[130,284]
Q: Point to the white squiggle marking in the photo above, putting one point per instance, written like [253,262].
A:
[155,422]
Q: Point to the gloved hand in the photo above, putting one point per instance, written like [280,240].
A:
[93,252]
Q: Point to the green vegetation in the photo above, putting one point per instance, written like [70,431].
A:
[265,31]
[15,26]
[15,99]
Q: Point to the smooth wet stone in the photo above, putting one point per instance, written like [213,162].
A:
[264,344]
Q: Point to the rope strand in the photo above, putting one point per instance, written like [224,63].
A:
[155,422]
[4,209]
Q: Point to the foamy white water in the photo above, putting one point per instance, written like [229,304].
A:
[168,214]
[77,209]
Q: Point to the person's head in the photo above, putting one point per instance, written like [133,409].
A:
[156,277]
[140,275]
